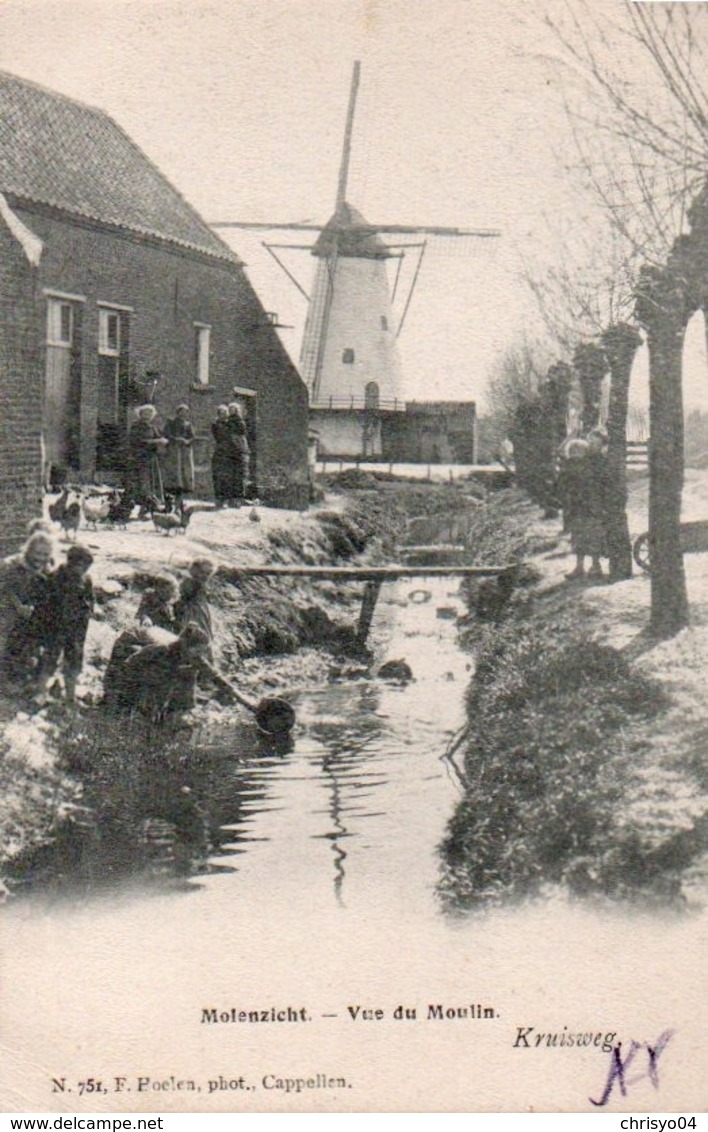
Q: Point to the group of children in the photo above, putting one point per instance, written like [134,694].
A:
[45,612]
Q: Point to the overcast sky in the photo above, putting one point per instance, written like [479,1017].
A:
[242,105]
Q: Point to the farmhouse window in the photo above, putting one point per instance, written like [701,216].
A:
[112,382]
[109,333]
[202,348]
[60,323]
[384,322]
[348,356]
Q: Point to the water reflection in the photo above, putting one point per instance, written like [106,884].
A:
[351,812]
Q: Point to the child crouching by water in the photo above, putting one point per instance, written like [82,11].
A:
[192,607]
[63,619]
[157,604]
[159,680]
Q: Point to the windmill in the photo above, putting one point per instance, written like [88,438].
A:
[349,357]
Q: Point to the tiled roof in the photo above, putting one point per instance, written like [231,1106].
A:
[58,152]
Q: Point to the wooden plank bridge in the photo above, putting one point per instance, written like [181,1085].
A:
[372,576]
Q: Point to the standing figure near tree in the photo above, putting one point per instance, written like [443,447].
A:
[582,489]
[178,471]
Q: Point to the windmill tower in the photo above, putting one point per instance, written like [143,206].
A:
[350,344]
[349,357]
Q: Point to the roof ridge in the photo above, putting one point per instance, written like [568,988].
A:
[53,93]
[215,244]
[173,188]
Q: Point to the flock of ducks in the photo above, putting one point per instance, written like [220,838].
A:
[111,506]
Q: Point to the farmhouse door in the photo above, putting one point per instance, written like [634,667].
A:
[61,390]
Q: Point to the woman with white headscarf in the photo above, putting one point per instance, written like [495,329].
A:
[145,444]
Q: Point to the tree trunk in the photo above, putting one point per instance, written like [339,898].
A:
[560,379]
[590,365]
[669,599]
[661,307]
[620,343]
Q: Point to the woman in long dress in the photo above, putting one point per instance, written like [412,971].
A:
[178,472]
[145,444]
[222,457]
[241,453]
[582,487]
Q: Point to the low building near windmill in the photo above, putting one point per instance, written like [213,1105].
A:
[432,432]
[113,290]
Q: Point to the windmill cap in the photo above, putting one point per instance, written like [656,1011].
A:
[343,234]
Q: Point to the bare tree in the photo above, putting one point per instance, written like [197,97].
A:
[636,95]
[641,133]
[588,289]
[514,381]
[620,342]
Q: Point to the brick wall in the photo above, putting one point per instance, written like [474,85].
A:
[169,292]
[20,396]
[431,431]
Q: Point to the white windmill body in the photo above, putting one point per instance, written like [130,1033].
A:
[349,358]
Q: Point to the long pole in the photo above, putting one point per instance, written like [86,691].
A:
[347,148]
[410,293]
[366,573]
[331,271]
[282,266]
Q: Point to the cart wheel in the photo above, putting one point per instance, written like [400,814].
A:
[640,550]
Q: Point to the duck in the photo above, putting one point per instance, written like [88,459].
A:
[71,518]
[58,507]
[171,521]
[95,508]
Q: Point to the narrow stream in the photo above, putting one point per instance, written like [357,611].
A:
[350,816]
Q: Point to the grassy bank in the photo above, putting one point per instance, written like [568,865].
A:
[559,760]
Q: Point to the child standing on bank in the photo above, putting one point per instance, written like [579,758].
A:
[65,619]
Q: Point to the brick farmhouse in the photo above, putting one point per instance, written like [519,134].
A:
[113,291]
